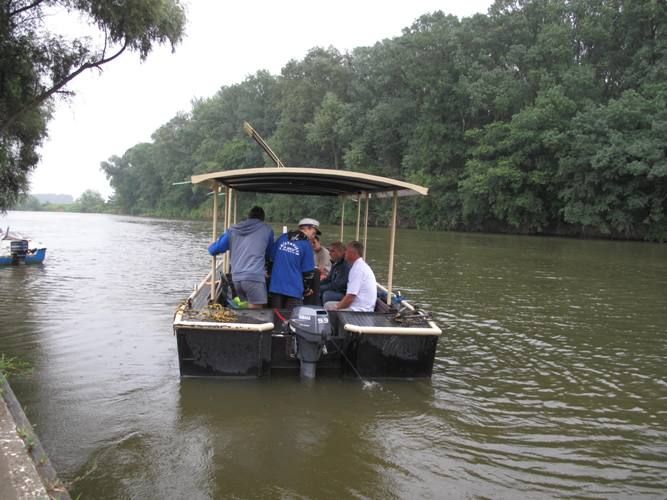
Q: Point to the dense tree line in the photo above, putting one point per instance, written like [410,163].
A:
[36,66]
[542,116]
[89,202]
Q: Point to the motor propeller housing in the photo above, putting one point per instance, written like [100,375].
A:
[311,327]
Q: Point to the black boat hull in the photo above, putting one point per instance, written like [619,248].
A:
[223,353]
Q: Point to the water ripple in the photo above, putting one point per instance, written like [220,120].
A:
[549,378]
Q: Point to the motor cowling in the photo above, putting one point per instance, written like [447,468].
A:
[311,327]
[18,248]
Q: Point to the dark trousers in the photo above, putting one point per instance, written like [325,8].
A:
[314,298]
[331,296]
[279,301]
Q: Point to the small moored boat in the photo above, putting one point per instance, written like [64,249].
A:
[18,249]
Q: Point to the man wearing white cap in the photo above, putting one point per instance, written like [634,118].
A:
[293,269]
[306,225]
[310,226]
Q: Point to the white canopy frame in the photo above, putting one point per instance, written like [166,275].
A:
[392,234]
[216,189]
[311,181]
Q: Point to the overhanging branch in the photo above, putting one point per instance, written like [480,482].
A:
[58,86]
[27,7]
[89,65]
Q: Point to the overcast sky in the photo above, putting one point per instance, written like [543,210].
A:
[225,41]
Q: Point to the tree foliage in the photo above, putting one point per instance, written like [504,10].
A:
[542,116]
[90,202]
[36,65]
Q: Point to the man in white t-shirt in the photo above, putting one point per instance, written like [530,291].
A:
[361,285]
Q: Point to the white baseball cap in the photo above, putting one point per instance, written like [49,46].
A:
[311,222]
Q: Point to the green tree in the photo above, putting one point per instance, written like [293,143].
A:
[613,174]
[90,202]
[303,85]
[124,180]
[509,180]
[29,203]
[36,66]
[542,116]
[330,128]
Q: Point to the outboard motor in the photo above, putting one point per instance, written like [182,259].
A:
[18,248]
[311,327]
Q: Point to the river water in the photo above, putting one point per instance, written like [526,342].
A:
[550,378]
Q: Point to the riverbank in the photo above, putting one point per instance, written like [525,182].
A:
[25,469]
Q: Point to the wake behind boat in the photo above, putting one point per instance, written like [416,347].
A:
[18,249]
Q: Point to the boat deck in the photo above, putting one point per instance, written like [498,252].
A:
[227,315]
[352,321]
[387,320]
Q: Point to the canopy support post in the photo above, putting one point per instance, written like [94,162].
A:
[236,199]
[392,243]
[216,189]
[342,217]
[356,237]
[228,222]
[366,225]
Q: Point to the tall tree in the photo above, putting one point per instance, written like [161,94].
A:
[36,65]
[613,170]
[90,202]
[542,116]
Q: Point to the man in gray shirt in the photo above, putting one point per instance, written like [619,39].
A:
[249,243]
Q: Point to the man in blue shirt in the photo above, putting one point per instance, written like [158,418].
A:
[249,243]
[293,267]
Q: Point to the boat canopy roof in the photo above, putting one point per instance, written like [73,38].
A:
[308,180]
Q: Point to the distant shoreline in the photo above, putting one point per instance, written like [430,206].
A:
[198,216]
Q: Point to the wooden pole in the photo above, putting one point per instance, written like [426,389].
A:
[216,189]
[366,225]
[342,218]
[392,243]
[356,237]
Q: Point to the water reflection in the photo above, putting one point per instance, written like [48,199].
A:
[285,438]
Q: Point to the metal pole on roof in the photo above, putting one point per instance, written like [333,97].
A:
[392,243]
[356,237]
[366,225]
[216,188]
[247,128]
[342,217]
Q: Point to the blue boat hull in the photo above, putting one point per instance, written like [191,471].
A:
[36,258]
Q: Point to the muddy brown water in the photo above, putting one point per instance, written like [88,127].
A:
[550,378]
